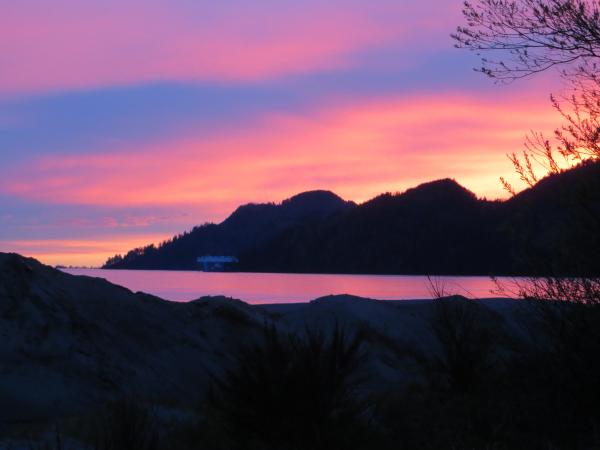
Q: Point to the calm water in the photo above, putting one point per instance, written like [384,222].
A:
[285,288]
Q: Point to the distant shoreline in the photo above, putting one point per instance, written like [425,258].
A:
[272,288]
[359,274]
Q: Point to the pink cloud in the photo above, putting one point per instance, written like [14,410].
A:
[69,44]
[355,149]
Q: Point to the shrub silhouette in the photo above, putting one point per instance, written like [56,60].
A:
[125,425]
[466,344]
[294,392]
[564,321]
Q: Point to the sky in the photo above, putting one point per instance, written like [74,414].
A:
[124,122]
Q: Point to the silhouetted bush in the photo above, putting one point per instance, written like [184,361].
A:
[467,346]
[125,425]
[467,337]
[54,443]
[558,368]
[294,392]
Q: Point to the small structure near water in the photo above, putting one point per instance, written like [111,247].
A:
[216,263]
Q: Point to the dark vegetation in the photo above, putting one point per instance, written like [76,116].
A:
[484,386]
[522,38]
[248,227]
[435,228]
[293,392]
[124,424]
[501,392]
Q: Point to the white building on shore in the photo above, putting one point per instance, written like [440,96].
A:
[211,263]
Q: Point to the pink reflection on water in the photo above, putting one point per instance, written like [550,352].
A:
[261,288]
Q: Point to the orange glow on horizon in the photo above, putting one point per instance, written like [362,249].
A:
[79,252]
[355,150]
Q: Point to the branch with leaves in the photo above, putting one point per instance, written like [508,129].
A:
[531,36]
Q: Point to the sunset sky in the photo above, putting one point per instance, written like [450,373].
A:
[123,122]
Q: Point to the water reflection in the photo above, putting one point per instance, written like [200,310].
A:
[259,288]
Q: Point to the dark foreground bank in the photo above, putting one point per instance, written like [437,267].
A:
[87,364]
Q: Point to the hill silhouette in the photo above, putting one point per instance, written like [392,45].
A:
[249,226]
[435,228]
[438,227]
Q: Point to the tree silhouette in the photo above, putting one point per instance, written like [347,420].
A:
[531,36]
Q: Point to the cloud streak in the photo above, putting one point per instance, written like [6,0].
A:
[356,149]
[70,44]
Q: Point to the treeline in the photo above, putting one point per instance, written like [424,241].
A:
[250,226]
[441,228]
[149,251]
[435,228]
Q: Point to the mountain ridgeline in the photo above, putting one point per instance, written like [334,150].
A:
[435,228]
[249,227]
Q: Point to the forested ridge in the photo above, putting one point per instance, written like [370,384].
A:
[435,228]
